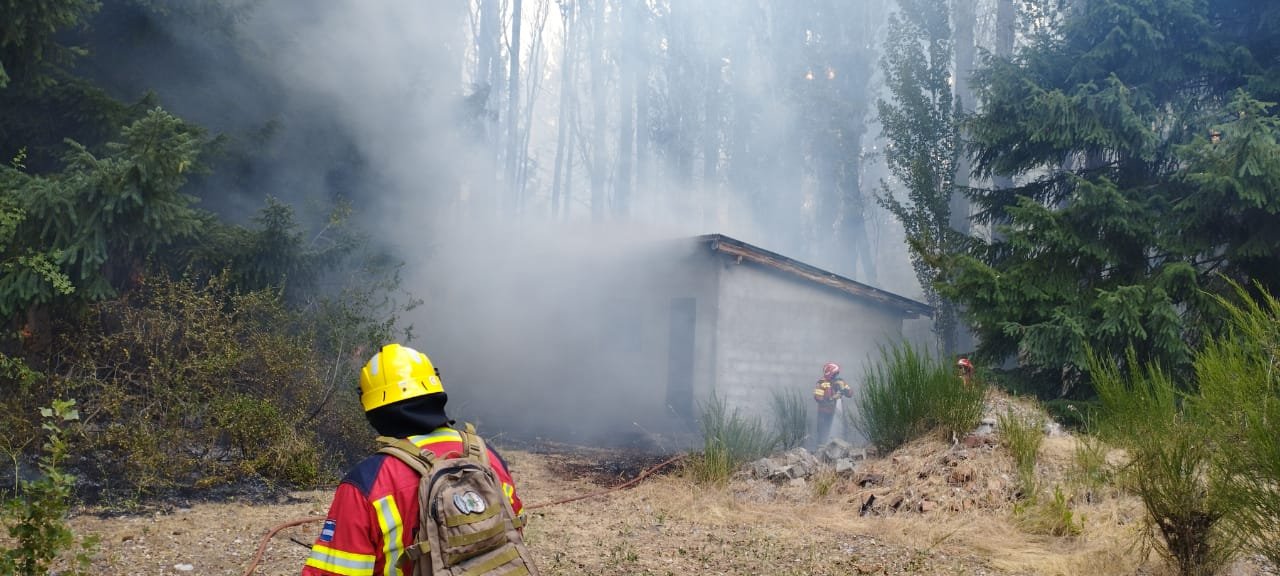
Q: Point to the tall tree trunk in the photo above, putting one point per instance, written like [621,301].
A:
[599,114]
[532,88]
[513,113]
[574,111]
[1006,25]
[489,83]
[964,15]
[643,175]
[740,168]
[711,142]
[629,15]
[564,151]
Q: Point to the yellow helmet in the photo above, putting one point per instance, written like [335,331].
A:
[397,373]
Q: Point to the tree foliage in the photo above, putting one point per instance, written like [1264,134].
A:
[1144,167]
[29,44]
[103,216]
[920,122]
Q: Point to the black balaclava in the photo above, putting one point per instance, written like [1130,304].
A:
[411,416]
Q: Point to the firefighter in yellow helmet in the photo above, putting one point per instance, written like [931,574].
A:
[373,517]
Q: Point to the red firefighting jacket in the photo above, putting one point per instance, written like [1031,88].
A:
[826,392]
[374,515]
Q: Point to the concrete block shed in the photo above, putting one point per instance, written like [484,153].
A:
[615,345]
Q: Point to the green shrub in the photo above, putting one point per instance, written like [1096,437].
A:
[1091,471]
[790,417]
[36,517]
[1022,436]
[909,393]
[1240,400]
[729,440]
[1171,466]
[1051,518]
[192,386]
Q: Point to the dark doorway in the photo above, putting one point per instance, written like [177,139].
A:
[680,356]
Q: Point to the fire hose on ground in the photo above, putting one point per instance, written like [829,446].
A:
[262,547]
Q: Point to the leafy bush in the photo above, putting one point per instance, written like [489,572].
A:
[1240,399]
[729,440]
[1171,467]
[790,417]
[909,393]
[36,517]
[1022,436]
[190,385]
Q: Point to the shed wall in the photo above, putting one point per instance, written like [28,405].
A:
[775,333]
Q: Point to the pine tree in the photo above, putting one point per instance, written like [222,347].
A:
[1141,174]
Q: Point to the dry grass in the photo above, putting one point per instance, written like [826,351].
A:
[669,525]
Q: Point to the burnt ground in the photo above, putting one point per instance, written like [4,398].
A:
[602,467]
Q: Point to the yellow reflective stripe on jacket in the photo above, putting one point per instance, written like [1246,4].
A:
[390,522]
[436,437]
[340,562]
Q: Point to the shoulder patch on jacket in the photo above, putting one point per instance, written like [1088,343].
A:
[365,473]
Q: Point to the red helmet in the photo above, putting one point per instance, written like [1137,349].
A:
[830,369]
[965,365]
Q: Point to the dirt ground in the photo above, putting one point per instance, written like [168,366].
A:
[663,525]
[667,525]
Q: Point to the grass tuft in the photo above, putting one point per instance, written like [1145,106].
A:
[910,392]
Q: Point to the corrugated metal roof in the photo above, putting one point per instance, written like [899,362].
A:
[754,254]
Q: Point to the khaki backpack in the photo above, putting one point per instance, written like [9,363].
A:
[466,526]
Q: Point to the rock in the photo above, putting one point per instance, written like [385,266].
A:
[961,474]
[797,470]
[845,466]
[766,468]
[802,456]
[895,502]
[835,450]
[927,505]
[869,479]
[1053,429]
[798,483]
[183,567]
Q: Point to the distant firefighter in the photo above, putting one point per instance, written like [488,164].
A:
[964,368]
[830,388]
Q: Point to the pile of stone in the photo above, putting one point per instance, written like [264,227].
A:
[836,456]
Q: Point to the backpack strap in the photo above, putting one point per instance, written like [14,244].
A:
[420,460]
[473,444]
